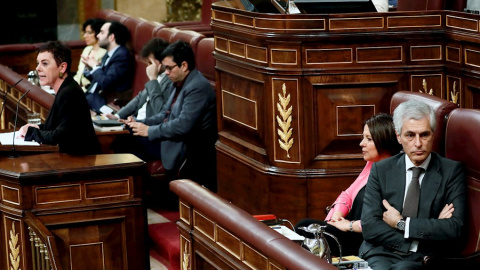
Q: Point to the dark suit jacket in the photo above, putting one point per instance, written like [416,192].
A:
[444,183]
[191,124]
[114,77]
[158,93]
[69,123]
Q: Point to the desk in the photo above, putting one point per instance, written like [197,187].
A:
[91,204]
[106,138]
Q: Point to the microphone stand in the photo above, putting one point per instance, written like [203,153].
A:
[14,152]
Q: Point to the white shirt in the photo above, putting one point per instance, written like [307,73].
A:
[408,165]
[381,5]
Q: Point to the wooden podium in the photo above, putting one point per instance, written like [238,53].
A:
[72,212]
[293,92]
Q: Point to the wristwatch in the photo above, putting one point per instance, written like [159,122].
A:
[401,224]
[351,225]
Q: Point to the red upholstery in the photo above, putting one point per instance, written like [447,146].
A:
[205,60]
[441,107]
[143,34]
[155,167]
[116,16]
[463,145]
[132,23]
[165,33]
[189,36]
[103,13]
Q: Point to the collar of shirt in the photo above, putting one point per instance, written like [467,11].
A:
[111,52]
[179,85]
[409,164]
[161,76]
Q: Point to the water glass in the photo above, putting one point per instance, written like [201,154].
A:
[34,119]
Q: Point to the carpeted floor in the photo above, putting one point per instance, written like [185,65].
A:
[164,239]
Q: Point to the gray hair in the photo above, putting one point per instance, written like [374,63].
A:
[413,109]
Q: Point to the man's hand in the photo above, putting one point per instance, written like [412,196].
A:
[139,129]
[447,211]
[391,216]
[90,61]
[153,69]
[129,119]
[110,116]
[23,130]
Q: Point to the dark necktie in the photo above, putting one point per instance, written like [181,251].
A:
[410,207]
[104,59]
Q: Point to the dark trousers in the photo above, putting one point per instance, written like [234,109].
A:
[95,101]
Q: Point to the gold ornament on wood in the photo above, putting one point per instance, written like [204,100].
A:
[14,249]
[284,121]
[425,88]
[186,260]
[454,93]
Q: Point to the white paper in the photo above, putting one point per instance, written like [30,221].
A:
[7,139]
[285,231]
[106,110]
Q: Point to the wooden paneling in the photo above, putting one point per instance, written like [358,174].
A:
[336,76]
[91,205]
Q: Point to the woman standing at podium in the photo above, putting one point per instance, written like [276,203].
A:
[69,123]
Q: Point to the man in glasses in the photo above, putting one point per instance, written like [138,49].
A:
[186,128]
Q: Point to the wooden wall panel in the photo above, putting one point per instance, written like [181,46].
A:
[342,108]
[338,75]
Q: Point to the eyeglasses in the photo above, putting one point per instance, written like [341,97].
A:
[169,68]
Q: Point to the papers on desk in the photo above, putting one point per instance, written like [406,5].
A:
[285,231]
[7,139]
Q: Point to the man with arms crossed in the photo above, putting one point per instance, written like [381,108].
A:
[402,223]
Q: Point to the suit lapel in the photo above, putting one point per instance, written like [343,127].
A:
[429,188]
[395,185]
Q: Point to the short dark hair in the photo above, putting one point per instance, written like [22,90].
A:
[154,46]
[180,51]
[95,23]
[122,36]
[383,134]
[61,53]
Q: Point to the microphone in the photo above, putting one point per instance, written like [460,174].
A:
[14,153]
[5,96]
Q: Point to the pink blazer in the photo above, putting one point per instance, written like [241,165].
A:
[345,199]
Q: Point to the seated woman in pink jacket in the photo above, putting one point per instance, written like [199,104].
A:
[379,142]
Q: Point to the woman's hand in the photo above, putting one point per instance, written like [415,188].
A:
[342,224]
[447,211]
[337,215]
[23,131]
